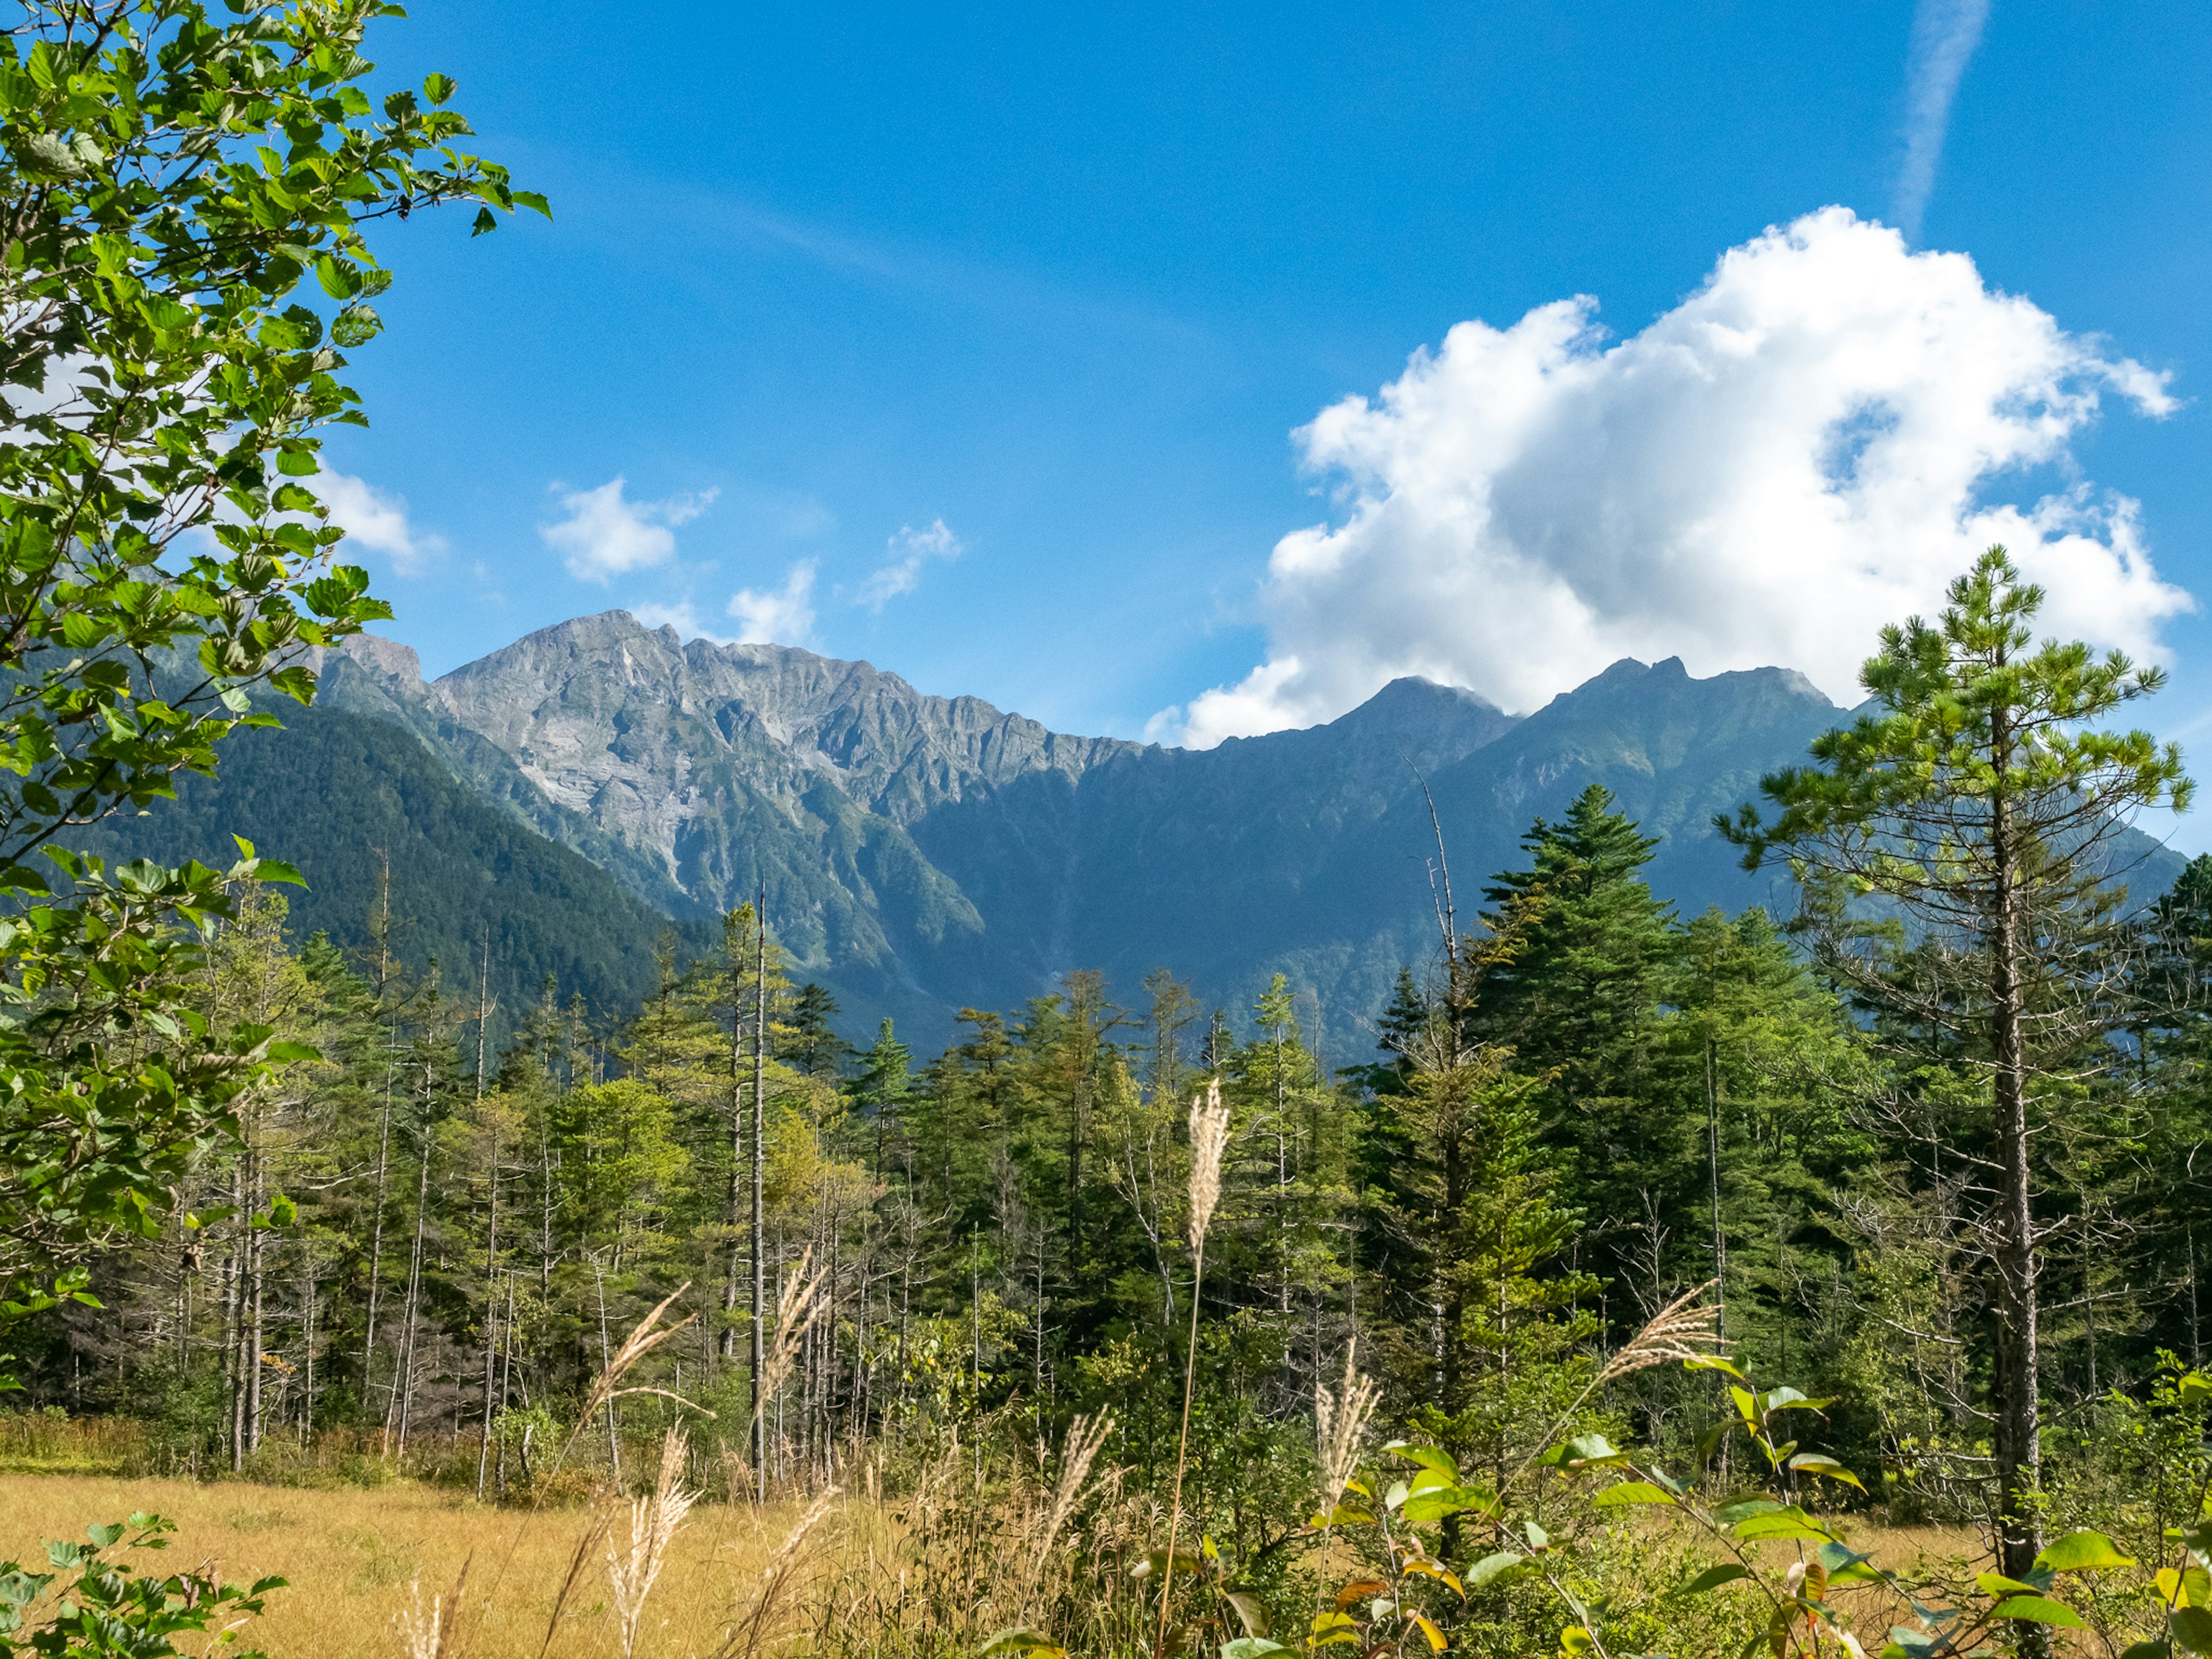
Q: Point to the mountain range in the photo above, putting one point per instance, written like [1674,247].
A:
[581,791]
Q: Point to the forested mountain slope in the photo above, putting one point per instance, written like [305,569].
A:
[922,854]
[338,793]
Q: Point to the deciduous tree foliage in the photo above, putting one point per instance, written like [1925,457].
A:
[172,187]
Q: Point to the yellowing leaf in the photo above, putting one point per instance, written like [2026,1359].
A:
[1436,1637]
[1827,1467]
[1437,1571]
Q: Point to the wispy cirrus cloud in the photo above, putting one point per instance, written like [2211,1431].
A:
[1944,33]
[905,555]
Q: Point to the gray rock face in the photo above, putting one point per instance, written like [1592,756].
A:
[923,854]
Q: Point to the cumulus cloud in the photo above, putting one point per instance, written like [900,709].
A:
[377,520]
[904,556]
[1802,451]
[1944,33]
[783,616]
[606,535]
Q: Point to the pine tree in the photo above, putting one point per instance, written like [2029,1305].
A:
[1578,1003]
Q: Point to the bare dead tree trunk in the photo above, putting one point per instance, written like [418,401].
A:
[760,1177]
[256,1242]
[1713,1175]
[404,1382]
[384,1131]
[2020,1449]
[491,1230]
[234,1320]
[734,1274]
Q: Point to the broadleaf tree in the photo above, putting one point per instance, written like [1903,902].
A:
[186,200]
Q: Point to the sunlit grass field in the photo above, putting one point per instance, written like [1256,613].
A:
[355,1559]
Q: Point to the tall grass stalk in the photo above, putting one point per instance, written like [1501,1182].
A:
[1209,1135]
[757,1630]
[652,1523]
[427,1632]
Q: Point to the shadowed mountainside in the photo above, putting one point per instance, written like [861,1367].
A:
[922,854]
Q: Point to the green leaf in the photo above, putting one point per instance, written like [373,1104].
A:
[1783,1400]
[1251,1611]
[1629,1492]
[1429,1457]
[2081,1552]
[1588,1451]
[1827,1467]
[1430,1506]
[1491,1568]
[2192,1628]
[2038,1610]
[438,89]
[1250,1647]
[1729,1511]
[1713,1577]
[1789,1522]
[339,279]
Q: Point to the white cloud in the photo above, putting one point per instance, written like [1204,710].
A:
[1797,454]
[604,535]
[377,520]
[1944,35]
[784,616]
[907,552]
[680,617]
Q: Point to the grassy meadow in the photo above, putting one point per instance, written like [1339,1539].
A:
[361,1559]
[358,1559]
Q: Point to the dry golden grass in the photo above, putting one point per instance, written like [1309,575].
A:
[354,1556]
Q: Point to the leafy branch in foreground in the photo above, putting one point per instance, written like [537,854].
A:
[168,185]
[103,1610]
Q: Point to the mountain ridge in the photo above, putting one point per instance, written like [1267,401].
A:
[919,854]
[923,853]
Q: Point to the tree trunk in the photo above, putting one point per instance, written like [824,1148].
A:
[2019,1439]
[403,1384]
[491,1230]
[734,1270]
[1713,1174]
[255,1242]
[383,1140]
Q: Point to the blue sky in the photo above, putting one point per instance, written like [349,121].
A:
[999,320]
